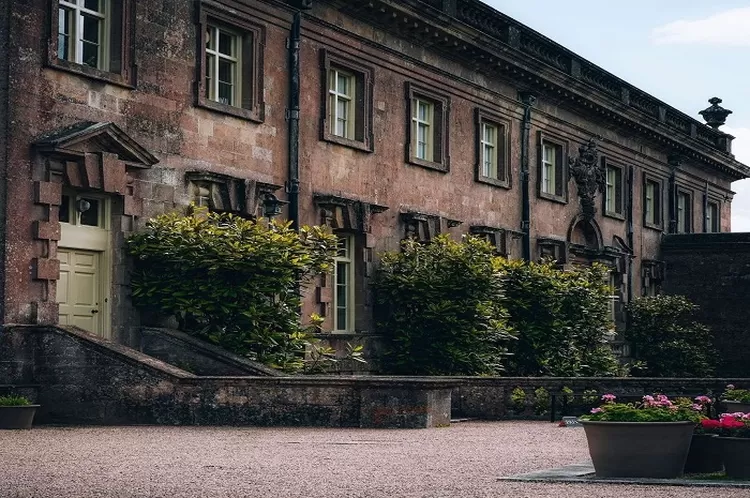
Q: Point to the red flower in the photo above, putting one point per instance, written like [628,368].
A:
[710,424]
[731,423]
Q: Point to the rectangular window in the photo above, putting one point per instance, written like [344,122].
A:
[347,102]
[713,218]
[231,64]
[427,132]
[82,32]
[652,203]
[343,279]
[492,147]
[684,212]
[92,38]
[552,172]
[613,193]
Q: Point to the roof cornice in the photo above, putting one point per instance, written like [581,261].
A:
[480,36]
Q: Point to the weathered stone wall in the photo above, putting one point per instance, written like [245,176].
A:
[713,271]
[83,379]
[489,398]
[196,356]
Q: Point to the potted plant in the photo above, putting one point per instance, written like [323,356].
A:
[16,412]
[734,436]
[736,400]
[646,439]
[704,456]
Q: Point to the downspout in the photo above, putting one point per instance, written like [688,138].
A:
[705,209]
[630,235]
[528,100]
[5,14]
[292,186]
[674,163]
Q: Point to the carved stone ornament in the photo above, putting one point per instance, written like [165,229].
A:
[715,115]
[589,175]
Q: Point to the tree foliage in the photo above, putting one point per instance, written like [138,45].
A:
[561,319]
[668,340]
[440,308]
[230,280]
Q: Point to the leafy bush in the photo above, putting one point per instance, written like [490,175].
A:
[14,401]
[440,308]
[667,339]
[561,319]
[231,281]
[732,393]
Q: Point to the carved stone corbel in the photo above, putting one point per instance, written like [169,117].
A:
[498,237]
[341,213]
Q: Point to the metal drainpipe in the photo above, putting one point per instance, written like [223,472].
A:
[630,235]
[292,184]
[528,100]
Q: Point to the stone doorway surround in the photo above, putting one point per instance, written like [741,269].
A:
[100,161]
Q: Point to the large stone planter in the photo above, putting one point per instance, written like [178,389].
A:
[736,406]
[736,455]
[17,417]
[704,456]
[638,449]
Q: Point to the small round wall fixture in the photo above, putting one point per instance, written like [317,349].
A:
[272,205]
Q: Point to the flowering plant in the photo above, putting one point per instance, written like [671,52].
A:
[731,393]
[729,425]
[656,408]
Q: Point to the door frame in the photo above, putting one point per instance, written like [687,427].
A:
[70,239]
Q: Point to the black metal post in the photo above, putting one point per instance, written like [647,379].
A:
[528,101]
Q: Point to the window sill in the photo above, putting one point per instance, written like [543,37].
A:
[494,182]
[616,216]
[345,142]
[239,112]
[652,226]
[553,198]
[118,79]
[441,167]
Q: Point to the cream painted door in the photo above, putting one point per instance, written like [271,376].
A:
[84,248]
[78,290]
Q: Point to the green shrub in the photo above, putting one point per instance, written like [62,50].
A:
[561,319]
[667,340]
[440,308]
[541,401]
[14,401]
[518,399]
[231,281]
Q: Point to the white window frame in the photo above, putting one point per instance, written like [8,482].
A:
[490,150]
[683,212]
[549,166]
[713,224]
[217,56]
[611,192]
[344,259]
[79,11]
[336,96]
[650,202]
[426,124]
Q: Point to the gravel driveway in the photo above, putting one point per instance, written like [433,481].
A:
[463,461]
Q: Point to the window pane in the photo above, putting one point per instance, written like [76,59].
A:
[90,38]
[210,61]
[226,44]
[65,209]
[64,32]
[211,38]
[90,217]
[226,82]
[94,5]
[332,78]
[343,84]
[424,111]
[422,141]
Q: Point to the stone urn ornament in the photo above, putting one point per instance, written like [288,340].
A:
[715,115]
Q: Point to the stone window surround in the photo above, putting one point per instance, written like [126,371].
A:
[653,273]
[614,214]
[503,156]
[252,106]
[717,221]
[441,113]
[120,52]
[561,169]
[660,198]
[363,101]
[557,247]
[496,236]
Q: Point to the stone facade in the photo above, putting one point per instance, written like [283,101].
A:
[144,134]
[713,271]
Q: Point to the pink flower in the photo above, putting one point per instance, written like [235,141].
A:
[697,407]
[730,386]
[648,399]
[596,410]
[609,398]
[703,400]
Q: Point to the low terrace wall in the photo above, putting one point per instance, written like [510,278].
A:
[84,379]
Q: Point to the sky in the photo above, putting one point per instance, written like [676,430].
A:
[681,51]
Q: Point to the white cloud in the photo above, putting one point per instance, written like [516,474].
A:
[741,202]
[728,28]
